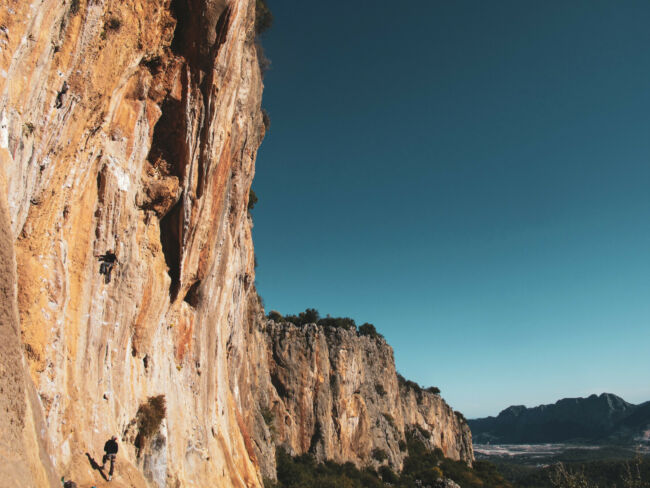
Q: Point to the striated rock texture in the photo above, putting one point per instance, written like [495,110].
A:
[23,454]
[339,397]
[132,127]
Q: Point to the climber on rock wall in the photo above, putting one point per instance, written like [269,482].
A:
[110,450]
[108,260]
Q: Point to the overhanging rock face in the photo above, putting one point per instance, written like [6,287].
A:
[133,127]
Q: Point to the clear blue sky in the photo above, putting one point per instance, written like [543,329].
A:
[473,177]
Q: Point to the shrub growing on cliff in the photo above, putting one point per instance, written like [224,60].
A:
[276,316]
[149,417]
[409,384]
[252,199]
[426,466]
[338,322]
[379,454]
[309,316]
[421,468]
[388,475]
[263,17]
[114,23]
[433,389]
[369,330]
[423,432]
[304,472]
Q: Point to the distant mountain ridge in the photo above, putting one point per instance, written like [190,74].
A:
[597,418]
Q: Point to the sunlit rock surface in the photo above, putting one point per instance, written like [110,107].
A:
[133,127]
[338,397]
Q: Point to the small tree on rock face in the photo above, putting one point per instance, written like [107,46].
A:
[276,316]
[379,454]
[310,316]
[263,17]
[369,330]
[252,199]
[149,417]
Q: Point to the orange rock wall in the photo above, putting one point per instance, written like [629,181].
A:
[336,394]
[133,126]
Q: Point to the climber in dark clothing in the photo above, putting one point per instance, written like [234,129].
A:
[108,260]
[110,449]
[61,95]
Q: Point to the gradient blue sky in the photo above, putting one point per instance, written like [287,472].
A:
[473,177]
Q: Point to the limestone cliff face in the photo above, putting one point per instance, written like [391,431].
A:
[133,126]
[339,397]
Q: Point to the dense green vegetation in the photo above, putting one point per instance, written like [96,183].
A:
[618,473]
[416,387]
[369,330]
[311,316]
[422,467]
[263,17]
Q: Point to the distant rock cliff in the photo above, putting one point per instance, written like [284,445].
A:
[593,419]
[133,127]
[339,397]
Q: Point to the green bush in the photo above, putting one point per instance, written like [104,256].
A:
[113,23]
[409,384]
[338,322]
[423,432]
[263,17]
[275,316]
[369,330]
[252,199]
[304,472]
[388,475]
[433,389]
[379,454]
[421,463]
[149,417]
[421,468]
[309,316]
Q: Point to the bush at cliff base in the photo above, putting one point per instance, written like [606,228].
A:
[421,468]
